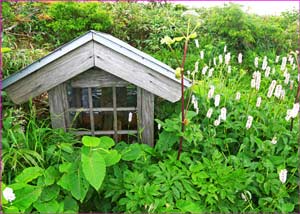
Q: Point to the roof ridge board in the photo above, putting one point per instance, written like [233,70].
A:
[31,68]
[164,70]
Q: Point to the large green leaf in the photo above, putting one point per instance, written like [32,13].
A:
[26,196]
[49,193]
[94,169]
[51,174]
[70,204]
[188,206]
[29,174]
[75,182]
[106,142]
[132,152]
[111,157]
[90,141]
[47,207]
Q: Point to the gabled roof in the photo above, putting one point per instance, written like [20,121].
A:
[104,40]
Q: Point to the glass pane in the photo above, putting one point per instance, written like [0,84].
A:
[126,96]
[104,121]
[102,97]
[123,120]
[80,120]
[128,138]
[78,97]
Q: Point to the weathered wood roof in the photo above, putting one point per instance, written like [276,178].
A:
[94,49]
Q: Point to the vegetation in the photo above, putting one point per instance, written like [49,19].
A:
[240,146]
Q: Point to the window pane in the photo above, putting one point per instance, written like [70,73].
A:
[80,120]
[78,97]
[102,97]
[126,96]
[104,121]
[123,120]
[128,138]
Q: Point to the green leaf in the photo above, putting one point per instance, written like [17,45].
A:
[75,182]
[29,174]
[26,196]
[287,207]
[132,152]
[111,157]
[51,174]
[188,206]
[106,142]
[94,169]
[47,207]
[166,141]
[67,147]
[49,193]
[90,141]
[65,167]
[70,204]
[11,209]
[193,35]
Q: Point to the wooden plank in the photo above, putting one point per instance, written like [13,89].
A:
[104,109]
[91,111]
[147,117]
[56,104]
[106,132]
[115,114]
[53,74]
[136,73]
[96,77]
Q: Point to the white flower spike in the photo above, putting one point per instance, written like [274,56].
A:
[130,117]
[217,100]
[283,175]
[238,96]
[240,58]
[209,113]
[249,122]
[274,140]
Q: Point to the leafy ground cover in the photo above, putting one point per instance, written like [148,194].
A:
[240,146]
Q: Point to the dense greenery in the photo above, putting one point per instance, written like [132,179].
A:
[227,164]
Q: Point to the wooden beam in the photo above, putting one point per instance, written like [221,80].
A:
[136,73]
[146,116]
[53,74]
[57,106]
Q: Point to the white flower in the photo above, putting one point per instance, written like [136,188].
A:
[256,62]
[196,67]
[215,61]
[227,58]
[277,91]
[202,54]
[277,59]
[258,102]
[283,63]
[188,72]
[220,59]
[210,72]
[288,115]
[246,195]
[197,43]
[287,78]
[271,88]
[283,175]
[225,48]
[223,113]
[193,98]
[229,69]
[217,122]
[267,73]
[294,66]
[274,140]
[291,84]
[265,63]
[217,100]
[159,126]
[257,80]
[240,58]
[249,122]
[252,83]
[295,110]
[190,13]
[8,194]
[130,117]
[209,113]
[291,59]
[282,94]
[204,70]
[211,92]
[238,96]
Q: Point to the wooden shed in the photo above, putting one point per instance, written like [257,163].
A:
[98,85]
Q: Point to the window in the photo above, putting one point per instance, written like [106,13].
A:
[104,110]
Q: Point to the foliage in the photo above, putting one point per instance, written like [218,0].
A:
[62,187]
